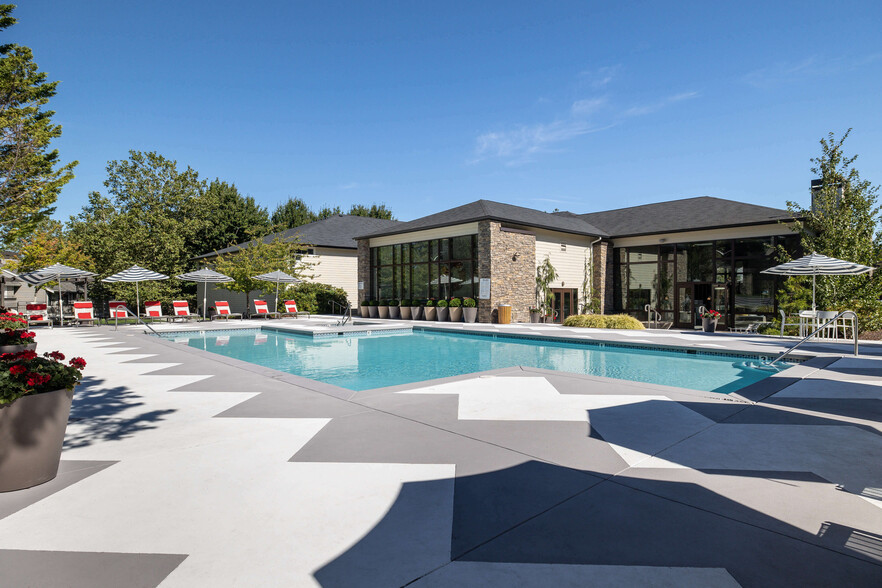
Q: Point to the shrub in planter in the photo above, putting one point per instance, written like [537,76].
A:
[393,309]
[14,334]
[429,310]
[35,399]
[383,309]
[441,313]
[587,321]
[469,310]
[372,308]
[536,315]
[404,309]
[364,311]
[455,306]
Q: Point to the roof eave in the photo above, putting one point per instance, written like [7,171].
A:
[478,219]
[711,228]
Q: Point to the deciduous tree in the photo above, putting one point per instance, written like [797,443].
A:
[31,175]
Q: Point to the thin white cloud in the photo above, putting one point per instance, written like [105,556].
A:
[787,72]
[599,78]
[521,144]
[349,186]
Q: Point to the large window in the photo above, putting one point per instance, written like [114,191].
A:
[437,268]
[728,272]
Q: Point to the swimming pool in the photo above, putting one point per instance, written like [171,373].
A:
[375,361]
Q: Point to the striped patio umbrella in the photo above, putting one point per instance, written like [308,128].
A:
[205,276]
[818,265]
[278,277]
[136,274]
[58,272]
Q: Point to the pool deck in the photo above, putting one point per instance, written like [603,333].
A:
[185,468]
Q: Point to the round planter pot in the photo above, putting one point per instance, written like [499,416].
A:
[17,348]
[535,317]
[441,313]
[430,313]
[382,312]
[708,325]
[470,314]
[372,311]
[415,313]
[455,314]
[394,312]
[404,311]
[31,435]
[363,311]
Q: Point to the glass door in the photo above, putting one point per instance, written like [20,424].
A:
[564,303]
[690,298]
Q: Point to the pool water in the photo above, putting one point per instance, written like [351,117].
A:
[375,361]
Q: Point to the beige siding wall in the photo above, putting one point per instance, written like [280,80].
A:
[452,231]
[693,236]
[569,263]
[336,267]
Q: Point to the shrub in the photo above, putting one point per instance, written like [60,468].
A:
[441,304]
[601,321]
[393,303]
[455,303]
[469,303]
[26,373]
[587,321]
[430,302]
[374,303]
[404,303]
[315,297]
[622,321]
[365,302]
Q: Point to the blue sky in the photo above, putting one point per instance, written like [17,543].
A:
[579,106]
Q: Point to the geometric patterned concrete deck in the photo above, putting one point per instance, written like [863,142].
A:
[183,468]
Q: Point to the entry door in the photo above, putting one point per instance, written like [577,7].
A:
[690,298]
[565,303]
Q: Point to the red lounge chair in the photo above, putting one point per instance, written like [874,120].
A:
[153,310]
[182,310]
[291,309]
[262,310]
[223,311]
[37,315]
[118,309]
[84,312]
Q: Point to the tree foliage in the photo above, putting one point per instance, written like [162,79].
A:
[843,222]
[373,211]
[295,212]
[261,257]
[49,244]
[30,174]
[315,297]
[227,218]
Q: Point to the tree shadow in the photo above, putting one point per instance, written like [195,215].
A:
[97,412]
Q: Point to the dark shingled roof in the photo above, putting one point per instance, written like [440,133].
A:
[335,231]
[689,214]
[487,209]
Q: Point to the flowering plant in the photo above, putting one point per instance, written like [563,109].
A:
[711,314]
[14,330]
[26,373]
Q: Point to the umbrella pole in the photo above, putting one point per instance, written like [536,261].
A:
[813,291]
[60,315]
[204,296]
[277,295]
[137,299]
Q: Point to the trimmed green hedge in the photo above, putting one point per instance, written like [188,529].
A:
[603,321]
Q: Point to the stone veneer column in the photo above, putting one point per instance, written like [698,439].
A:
[364,270]
[603,276]
[509,260]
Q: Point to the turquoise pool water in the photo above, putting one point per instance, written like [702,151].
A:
[375,361]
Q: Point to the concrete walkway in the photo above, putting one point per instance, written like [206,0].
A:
[184,468]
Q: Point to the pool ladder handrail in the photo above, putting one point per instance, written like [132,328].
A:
[821,328]
[129,313]
[346,312]
[653,316]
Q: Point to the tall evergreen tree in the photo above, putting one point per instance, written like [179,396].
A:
[30,175]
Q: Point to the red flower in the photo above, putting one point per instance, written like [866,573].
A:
[78,362]
[28,335]
[56,355]
[26,355]
[17,369]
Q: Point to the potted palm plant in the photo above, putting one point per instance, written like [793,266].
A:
[455,310]
[35,398]
[441,312]
[14,334]
[469,310]
[415,310]
[404,309]
[429,310]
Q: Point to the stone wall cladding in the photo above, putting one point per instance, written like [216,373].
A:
[364,269]
[486,311]
[512,271]
[603,276]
